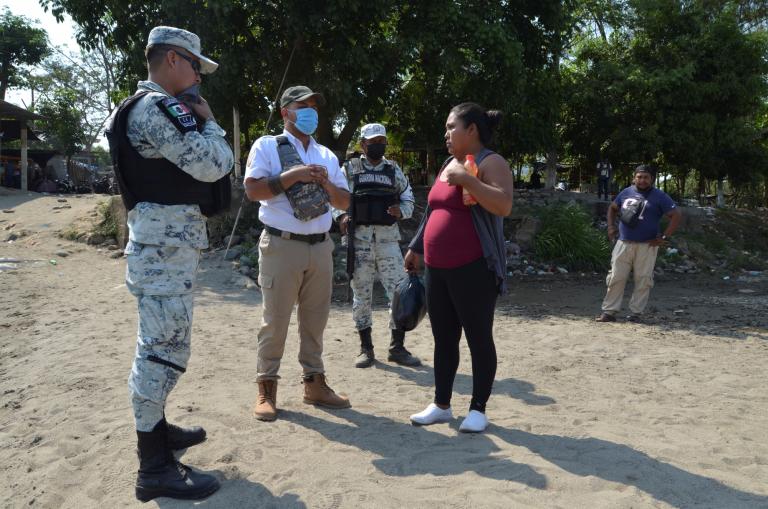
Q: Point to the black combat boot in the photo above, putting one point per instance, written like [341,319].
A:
[181,438]
[366,358]
[398,353]
[160,475]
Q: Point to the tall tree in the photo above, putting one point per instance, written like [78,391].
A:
[63,122]
[21,45]
[90,75]
[679,84]
[368,59]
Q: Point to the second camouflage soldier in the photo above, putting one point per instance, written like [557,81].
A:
[381,195]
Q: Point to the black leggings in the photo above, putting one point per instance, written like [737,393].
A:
[464,297]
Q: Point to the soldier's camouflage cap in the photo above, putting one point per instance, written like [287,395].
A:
[372,131]
[183,39]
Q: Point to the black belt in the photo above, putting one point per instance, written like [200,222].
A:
[312,238]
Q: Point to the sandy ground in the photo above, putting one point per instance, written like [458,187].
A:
[667,414]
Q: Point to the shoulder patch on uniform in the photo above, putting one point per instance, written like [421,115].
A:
[178,113]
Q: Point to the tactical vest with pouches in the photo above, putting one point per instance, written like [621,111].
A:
[308,199]
[158,180]
[373,193]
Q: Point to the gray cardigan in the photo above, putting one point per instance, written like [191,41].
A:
[489,228]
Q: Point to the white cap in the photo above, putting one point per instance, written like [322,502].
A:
[372,130]
[183,39]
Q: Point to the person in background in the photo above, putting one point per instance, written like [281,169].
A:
[640,208]
[604,174]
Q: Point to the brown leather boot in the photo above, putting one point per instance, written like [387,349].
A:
[265,409]
[317,392]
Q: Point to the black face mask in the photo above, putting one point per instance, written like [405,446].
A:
[375,151]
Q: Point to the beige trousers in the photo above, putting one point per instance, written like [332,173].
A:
[630,256]
[291,272]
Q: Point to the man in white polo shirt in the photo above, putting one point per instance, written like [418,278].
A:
[297,181]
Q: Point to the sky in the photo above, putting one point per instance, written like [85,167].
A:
[59,34]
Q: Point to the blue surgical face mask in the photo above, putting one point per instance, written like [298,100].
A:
[306,120]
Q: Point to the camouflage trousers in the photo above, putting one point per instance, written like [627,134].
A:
[162,279]
[372,259]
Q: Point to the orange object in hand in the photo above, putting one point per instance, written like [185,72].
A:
[471,166]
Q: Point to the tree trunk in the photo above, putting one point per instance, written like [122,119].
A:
[765,190]
[4,76]
[424,163]
[681,185]
[600,27]
[700,188]
[551,169]
[720,193]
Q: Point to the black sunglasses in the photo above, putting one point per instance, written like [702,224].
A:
[194,63]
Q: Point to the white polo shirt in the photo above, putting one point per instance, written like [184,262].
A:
[277,212]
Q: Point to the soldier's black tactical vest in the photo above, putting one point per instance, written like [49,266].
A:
[373,193]
[158,180]
[308,199]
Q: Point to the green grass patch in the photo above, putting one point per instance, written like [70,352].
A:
[108,224]
[568,238]
[70,233]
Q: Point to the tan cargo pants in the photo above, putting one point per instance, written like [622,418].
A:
[627,256]
[293,272]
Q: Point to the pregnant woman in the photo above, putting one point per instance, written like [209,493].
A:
[465,261]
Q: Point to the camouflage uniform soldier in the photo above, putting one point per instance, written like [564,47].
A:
[170,167]
[381,195]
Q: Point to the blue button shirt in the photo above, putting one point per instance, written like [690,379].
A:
[659,204]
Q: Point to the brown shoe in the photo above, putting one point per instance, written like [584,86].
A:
[317,392]
[605,317]
[266,409]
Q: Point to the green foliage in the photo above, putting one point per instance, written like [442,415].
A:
[21,45]
[679,83]
[103,158]
[63,122]
[675,82]
[386,59]
[108,224]
[70,233]
[747,231]
[89,78]
[741,260]
[567,237]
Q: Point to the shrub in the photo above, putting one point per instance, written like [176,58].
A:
[568,238]
[108,224]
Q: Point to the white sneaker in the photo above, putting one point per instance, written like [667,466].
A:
[474,422]
[431,415]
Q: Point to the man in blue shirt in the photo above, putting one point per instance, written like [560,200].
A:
[639,208]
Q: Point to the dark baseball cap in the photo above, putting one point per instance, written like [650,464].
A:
[645,168]
[300,93]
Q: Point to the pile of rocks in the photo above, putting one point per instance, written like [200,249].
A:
[244,252]
[518,264]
